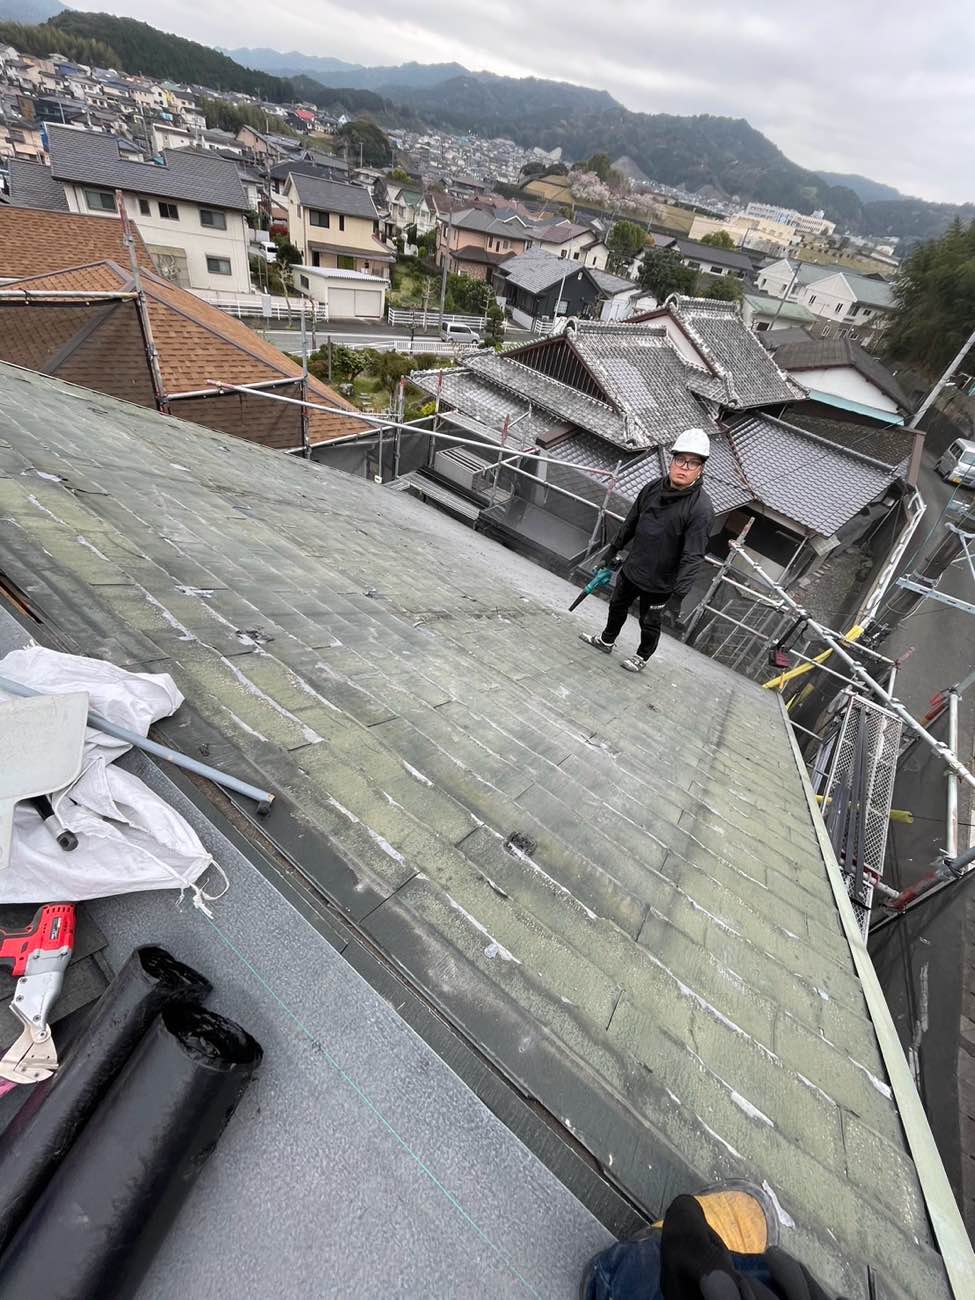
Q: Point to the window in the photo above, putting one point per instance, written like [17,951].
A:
[319,218]
[100,200]
[316,259]
[812,299]
[218,265]
[144,207]
[213,220]
[169,211]
[341,221]
[365,267]
[826,331]
[345,263]
[564,253]
[303,281]
[838,308]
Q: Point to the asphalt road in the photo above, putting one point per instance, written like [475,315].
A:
[920,958]
[354,335]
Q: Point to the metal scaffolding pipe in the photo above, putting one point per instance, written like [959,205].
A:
[951,802]
[263,798]
[861,675]
[63,295]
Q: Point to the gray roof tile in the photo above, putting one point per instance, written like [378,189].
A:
[334,196]
[817,354]
[655,959]
[735,353]
[816,483]
[88,158]
[33,186]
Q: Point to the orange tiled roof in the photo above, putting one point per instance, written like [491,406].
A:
[34,242]
[198,343]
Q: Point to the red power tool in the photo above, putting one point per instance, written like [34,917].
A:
[37,956]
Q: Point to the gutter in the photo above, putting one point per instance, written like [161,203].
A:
[939,1200]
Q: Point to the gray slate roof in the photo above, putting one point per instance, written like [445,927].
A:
[655,960]
[816,483]
[484,220]
[728,257]
[818,354]
[751,376]
[608,283]
[890,445]
[535,270]
[334,196]
[33,186]
[91,159]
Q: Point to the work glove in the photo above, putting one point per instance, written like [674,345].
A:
[696,1264]
[616,561]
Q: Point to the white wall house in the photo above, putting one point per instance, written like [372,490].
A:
[347,295]
[848,384]
[190,210]
[830,292]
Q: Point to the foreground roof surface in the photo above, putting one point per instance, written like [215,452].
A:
[612,886]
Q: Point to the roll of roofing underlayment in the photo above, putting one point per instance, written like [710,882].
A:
[42,1131]
[95,1227]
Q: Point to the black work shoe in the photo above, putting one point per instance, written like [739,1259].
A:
[592,639]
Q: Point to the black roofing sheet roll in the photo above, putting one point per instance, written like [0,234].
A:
[41,1133]
[94,1229]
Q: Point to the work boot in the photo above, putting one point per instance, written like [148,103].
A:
[592,639]
[634,664]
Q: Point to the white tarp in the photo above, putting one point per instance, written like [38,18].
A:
[128,838]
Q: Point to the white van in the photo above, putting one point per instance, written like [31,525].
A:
[463,334]
[957,465]
[264,246]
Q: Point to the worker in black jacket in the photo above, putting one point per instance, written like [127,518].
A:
[667,533]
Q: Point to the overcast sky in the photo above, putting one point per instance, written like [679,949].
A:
[886,89]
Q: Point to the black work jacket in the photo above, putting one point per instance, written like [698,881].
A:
[667,534]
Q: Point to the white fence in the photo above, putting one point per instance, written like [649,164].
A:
[422,319]
[414,347]
[264,305]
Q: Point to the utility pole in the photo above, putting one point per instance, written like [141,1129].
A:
[446,252]
[926,405]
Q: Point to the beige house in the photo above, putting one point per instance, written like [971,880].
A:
[335,224]
[474,241]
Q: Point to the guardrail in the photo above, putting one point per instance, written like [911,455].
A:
[422,319]
[264,305]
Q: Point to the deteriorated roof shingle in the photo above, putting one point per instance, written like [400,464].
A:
[33,242]
[625,909]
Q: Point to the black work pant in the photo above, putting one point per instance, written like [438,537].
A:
[651,613]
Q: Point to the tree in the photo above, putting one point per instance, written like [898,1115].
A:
[934,297]
[719,239]
[723,288]
[663,273]
[365,138]
[288,253]
[625,241]
[398,174]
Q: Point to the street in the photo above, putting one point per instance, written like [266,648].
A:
[354,334]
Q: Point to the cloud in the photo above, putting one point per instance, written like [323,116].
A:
[884,89]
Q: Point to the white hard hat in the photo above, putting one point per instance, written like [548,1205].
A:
[695,442]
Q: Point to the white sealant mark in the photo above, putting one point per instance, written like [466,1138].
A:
[822,994]
[417,775]
[244,727]
[673,1097]
[311,737]
[385,845]
[184,632]
[877,1083]
[51,478]
[751,1110]
[609,1160]
[203,592]
[173,465]
[559,888]
[789,933]
[494,949]
[344,811]
[718,1138]
[815,1087]
[783,1216]
[924,998]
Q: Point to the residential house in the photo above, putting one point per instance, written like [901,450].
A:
[761,312]
[704,257]
[334,170]
[101,344]
[164,135]
[61,108]
[21,139]
[609,400]
[335,224]
[32,186]
[425,215]
[834,293]
[474,241]
[346,295]
[838,372]
[190,208]
[578,243]
[537,286]
[400,202]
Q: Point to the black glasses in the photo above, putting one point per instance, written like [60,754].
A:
[683,462]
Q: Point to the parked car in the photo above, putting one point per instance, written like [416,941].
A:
[450,332]
[957,465]
[265,248]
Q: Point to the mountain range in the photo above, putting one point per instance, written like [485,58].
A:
[718,157]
